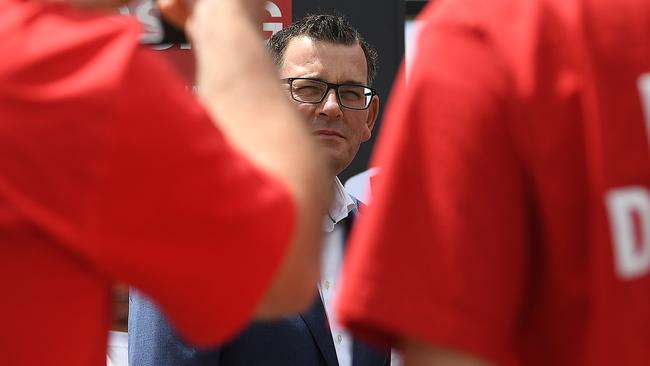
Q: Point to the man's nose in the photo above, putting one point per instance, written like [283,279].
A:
[330,105]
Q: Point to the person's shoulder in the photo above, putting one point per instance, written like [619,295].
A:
[96,37]
[55,51]
[54,42]
[480,14]
[57,26]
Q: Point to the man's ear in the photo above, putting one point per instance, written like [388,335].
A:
[373,111]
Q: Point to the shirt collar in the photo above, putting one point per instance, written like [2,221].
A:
[342,204]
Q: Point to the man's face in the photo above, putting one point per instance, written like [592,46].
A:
[339,130]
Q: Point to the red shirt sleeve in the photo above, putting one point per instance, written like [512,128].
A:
[440,254]
[177,212]
[111,171]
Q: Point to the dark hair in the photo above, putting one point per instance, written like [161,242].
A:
[327,28]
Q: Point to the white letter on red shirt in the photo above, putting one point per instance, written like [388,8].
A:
[631,237]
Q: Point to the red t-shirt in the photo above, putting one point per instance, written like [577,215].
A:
[511,219]
[111,171]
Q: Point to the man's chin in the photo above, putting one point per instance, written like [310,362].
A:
[334,160]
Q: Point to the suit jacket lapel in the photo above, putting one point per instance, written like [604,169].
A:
[316,321]
[316,318]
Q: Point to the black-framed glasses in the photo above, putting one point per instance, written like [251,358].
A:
[313,91]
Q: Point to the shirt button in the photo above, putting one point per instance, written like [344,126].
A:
[339,338]
[327,285]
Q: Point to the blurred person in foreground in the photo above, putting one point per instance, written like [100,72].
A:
[327,69]
[522,132]
[110,172]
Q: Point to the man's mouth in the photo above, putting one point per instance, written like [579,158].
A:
[328,132]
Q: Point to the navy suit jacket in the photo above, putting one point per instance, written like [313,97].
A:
[300,340]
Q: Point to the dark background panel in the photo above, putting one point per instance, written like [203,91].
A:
[381,22]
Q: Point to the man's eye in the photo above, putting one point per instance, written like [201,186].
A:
[308,90]
[351,94]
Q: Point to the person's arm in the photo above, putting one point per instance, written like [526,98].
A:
[415,353]
[240,89]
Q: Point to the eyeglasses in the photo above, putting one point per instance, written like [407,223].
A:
[305,90]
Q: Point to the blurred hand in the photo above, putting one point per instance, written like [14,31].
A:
[176,12]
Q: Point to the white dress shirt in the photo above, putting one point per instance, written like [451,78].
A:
[331,265]
[118,349]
